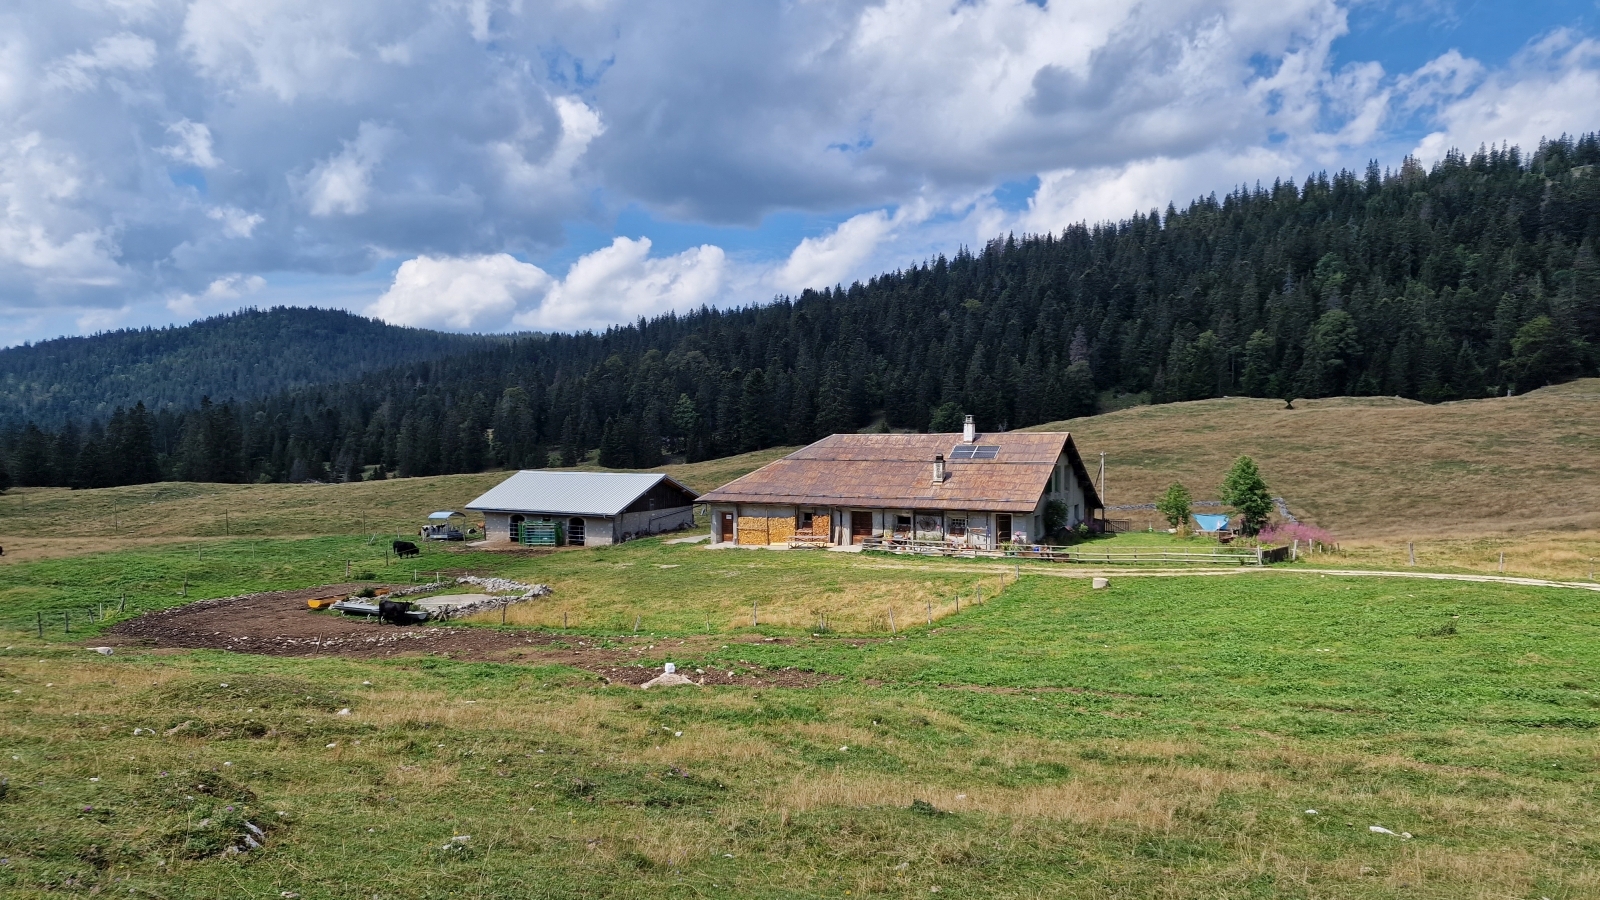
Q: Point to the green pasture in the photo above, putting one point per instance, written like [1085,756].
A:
[1166,737]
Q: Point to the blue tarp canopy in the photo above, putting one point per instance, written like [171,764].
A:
[444,514]
[1210,524]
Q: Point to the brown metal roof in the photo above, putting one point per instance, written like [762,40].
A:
[896,471]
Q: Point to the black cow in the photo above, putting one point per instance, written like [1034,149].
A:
[403,549]
[394,612]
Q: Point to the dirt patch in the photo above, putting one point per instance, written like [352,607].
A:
[278,623]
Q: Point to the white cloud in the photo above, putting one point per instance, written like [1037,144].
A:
[470,130]
[1112,193]
[222,293]
[579,126]
[1548,90]
[342,183]
[120,52]
[42,235]
[621,282]
[193,147]
[236,223]
[460,293]
[616,283]
[833,258]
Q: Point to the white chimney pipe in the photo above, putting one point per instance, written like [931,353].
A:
[969,432]
[938,469]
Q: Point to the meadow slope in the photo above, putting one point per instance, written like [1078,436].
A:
[1373,467]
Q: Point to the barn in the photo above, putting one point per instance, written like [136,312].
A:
[583,508]
[968,490]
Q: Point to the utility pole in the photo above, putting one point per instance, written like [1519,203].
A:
[1103,511]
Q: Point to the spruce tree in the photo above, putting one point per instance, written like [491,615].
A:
[1245,491]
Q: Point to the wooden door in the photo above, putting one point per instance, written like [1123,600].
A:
[724,527]
[1002,528]
[860,526]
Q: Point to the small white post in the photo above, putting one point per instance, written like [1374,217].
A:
[1411,550]
[1502,560]
[1294,552]
[891,620]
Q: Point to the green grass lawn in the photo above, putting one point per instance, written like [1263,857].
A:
[1163,738]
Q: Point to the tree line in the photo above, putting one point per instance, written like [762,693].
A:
[1475,277]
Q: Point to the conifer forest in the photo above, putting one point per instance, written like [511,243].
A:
[1473,278]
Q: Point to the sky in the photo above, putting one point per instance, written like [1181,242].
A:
[507,165]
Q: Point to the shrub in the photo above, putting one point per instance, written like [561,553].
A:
[1287,532]
[1174,505]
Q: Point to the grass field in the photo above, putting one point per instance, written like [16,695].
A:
[1168,737]
[1372,467]
[1164,738]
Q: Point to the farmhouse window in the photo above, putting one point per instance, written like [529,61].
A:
[902,525]
[958,526]
[805,520]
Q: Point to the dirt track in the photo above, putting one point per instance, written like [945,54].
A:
[278,623]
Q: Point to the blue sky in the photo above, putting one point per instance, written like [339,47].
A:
[494,165]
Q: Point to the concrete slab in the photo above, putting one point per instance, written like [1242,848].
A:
[449,602]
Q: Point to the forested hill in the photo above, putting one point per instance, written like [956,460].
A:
[1474,277]
[243,355]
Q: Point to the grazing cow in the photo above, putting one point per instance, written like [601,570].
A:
[394,612]
[403,549]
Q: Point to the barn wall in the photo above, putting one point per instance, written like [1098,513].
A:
[497,526]
[657,521]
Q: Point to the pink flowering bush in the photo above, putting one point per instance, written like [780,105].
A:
[1283,533]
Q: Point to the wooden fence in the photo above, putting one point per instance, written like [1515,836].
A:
[1258,557]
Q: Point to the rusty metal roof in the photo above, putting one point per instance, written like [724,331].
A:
[896,471]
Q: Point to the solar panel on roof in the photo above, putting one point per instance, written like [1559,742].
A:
[970,451]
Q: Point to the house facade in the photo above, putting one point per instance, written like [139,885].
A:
[968,489]
[583,508]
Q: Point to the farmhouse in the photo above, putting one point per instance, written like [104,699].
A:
[967,489]
[583,508]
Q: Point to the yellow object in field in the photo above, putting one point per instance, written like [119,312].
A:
[322,602]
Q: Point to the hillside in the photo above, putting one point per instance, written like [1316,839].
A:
[1368,469]
[37,522]
[243,355]
[1453,282]
[1371,467]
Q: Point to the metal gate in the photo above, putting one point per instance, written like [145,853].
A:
[575,532]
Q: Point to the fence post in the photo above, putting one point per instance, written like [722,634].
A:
[66,618]
[636,624]
[124,606]
[755,613]
[1502,560]
[1411,553]
[1261,556]
[930,612]
[1294,553]
[958,600]
[39,617]
[891,620]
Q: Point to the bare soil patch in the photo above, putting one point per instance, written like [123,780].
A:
[278,623]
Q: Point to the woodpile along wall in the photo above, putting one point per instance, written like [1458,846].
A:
[759,531]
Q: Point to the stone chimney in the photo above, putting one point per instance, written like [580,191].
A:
[938,469]
[969,432]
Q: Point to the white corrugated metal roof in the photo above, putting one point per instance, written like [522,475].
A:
[568,493]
